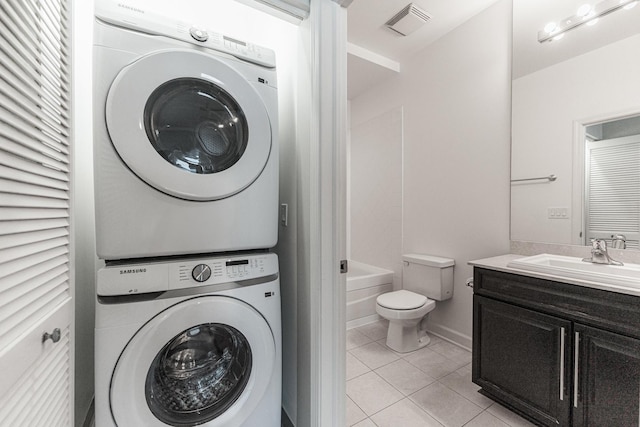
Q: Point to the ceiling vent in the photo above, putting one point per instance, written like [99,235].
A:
[408,20]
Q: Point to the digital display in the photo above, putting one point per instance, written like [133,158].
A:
[238,262]
[229,39]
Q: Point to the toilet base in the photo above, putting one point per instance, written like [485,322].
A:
[404,338]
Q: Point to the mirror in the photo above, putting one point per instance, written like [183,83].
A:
[562,89]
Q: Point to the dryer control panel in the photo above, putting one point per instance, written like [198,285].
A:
[135,17]
[184,273]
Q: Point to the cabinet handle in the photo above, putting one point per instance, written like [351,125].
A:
[576,357]
[562,333]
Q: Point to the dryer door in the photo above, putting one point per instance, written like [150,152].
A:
[189,125]
[205,361]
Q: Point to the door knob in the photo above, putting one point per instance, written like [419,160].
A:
[54,336]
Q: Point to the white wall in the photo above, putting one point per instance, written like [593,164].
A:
[546,106]
[375,192]
[456,101]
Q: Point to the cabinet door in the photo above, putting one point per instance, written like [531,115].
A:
[607,379]
[519,358]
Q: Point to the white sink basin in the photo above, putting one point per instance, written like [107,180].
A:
[627,276]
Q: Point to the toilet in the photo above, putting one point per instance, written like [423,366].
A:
[425,280]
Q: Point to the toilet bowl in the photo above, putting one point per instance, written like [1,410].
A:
[425,278]
[404,310]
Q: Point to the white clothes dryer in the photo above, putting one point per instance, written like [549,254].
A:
[185,138]
[192,342]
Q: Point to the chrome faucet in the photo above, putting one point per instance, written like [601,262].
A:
[599,254]
[619,241]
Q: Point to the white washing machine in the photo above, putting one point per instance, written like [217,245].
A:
[185,138]
[192,342]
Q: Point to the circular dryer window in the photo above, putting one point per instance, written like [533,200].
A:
[196,125]
[189,124]
[198,375]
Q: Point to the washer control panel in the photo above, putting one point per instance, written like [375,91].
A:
[221,270]
[216,271]
[201,273]
[187,273]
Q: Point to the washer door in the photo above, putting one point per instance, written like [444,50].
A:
[188,124]
[205,361]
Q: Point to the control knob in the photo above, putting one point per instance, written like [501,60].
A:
[198,34]
[201,273]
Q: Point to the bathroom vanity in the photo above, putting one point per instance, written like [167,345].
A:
[558,350]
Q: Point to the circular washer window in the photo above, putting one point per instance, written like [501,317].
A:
[211,338]
[196,126]
[198,375]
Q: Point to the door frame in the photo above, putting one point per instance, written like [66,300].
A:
[327,216]
[578,231]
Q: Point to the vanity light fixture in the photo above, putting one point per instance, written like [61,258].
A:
[586,14]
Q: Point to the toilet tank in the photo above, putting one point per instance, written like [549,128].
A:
[429,275]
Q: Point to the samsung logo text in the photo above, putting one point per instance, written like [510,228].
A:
[133,271]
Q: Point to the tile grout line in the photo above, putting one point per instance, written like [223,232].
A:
[405,396]
[402,357]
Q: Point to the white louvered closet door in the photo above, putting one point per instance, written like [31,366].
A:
[612,189]
[35,295]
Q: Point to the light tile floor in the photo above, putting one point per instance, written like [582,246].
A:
[428,387]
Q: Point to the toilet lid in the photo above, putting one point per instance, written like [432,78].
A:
[401,300]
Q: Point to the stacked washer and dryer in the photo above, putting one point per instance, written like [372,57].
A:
[188,323]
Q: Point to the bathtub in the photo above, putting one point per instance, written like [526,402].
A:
[364,284]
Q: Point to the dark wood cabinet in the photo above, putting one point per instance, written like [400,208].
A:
[520,358]
[558,354]
[607,390]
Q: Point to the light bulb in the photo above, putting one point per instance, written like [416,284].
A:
[593,22]
[584,10]
[550,27]
[558,37]
[630,5]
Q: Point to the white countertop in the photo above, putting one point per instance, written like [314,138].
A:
[499,263]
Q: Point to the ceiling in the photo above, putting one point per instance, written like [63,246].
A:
[366,30]
[376,52]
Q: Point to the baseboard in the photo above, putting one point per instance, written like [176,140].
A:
[286,422]
[362,321]
[450,335]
